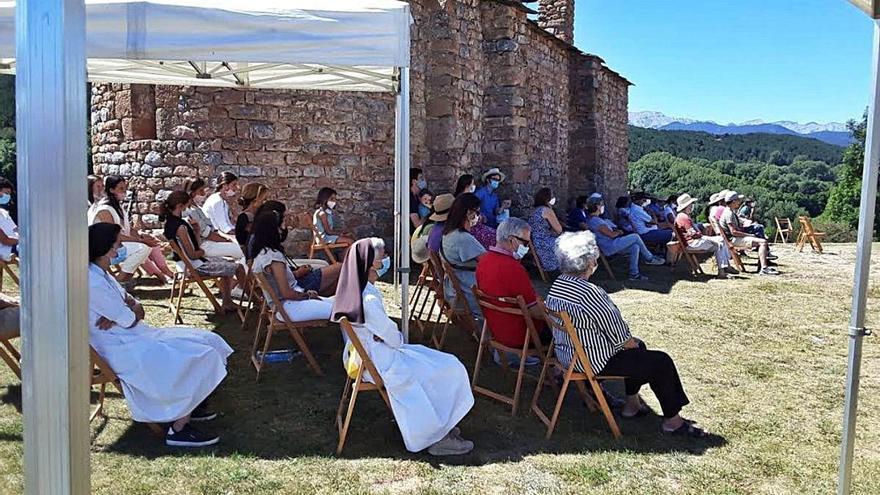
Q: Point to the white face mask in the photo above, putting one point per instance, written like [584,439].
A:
[647,202]
[471,188]
[602,210]
[521,251]
[331,204]
[230,193]
[552,201]
[473,222]
[199,200]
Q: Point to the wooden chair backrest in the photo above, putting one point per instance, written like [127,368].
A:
[436,266]
[512,306]
[560,322]
[807,225]
[105,373]
[366,362]
[784,224]
[678,234]
[316,236]
[187,262]
[273,300]
[453,278]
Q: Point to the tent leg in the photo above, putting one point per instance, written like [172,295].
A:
[857,330]
[50,118]
[402,162]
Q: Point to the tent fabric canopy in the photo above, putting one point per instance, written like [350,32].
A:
[347,45]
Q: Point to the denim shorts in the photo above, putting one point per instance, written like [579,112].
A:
[312,280]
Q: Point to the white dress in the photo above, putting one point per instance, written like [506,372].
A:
[11,230]
[217,211]
[302,310]
[429,390]
[165,372]
[137,252]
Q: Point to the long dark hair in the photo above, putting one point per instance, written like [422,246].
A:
[193,185]
[324,195]
[265,234]
[110,183]
[92,179]
[463,181]
[623,202]
[543,196]
[580,202]
[225,178]
[175,199]
[459,212]
[102,237]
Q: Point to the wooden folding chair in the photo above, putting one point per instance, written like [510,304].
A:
[189,276]
[685,252]
[6,270]
[445,310]
[318,243]
[734,253]
[357,386]
[271,306]
[808,233]
[537,261]
[512,306]
[102,374]
[8,352]
[784,228]
[577,371]
[607,266]
[461,310]
[252,293]
[422,293]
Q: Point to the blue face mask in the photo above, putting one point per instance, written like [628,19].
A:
[121,254]
[493,184]
[386,264]
[424,211]
[423,184]
[5,198]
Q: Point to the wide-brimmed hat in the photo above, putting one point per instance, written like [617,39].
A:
[494,171]
[442,205]
[715,198]
[684,201]
[732,196]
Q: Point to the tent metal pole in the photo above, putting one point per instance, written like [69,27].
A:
[50,39]
[401,167]
[857,331]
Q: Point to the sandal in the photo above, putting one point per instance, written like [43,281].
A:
[688,428]
[643,411]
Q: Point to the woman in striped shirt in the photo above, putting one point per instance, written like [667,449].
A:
[611,348]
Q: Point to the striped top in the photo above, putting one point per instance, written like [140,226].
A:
[598,322]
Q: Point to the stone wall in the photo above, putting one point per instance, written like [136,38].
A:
[557,17]
[489,88]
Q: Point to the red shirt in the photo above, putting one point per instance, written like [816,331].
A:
[684,222]
[500,275]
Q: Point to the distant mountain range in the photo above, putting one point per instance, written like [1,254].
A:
[832,133]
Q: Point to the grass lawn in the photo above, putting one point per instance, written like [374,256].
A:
[763,360]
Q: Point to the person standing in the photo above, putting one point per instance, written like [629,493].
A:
[488,196]
[417,182]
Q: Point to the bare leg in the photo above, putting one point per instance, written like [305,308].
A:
[762,254]
[226,292]
[329,279]
[180,423]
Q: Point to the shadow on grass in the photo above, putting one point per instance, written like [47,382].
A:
[291,413]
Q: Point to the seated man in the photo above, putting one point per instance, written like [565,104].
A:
[645,224]
[500,274]
[746,213]
[167,374]
[611,348]
[697,241]
[732,227]
[613,240]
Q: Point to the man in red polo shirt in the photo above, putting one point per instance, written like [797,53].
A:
[500,274]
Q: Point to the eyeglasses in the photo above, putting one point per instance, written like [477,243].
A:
[520,239]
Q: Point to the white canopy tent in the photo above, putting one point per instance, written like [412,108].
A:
[53,46]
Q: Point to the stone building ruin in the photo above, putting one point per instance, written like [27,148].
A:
[489,87]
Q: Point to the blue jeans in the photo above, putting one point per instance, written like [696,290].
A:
[755,229]
[632,246]
[657,236]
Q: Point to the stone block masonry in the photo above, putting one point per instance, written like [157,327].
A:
[489,87]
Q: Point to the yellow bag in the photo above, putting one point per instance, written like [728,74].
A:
[353,361]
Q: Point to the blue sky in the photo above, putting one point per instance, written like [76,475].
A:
[734,60]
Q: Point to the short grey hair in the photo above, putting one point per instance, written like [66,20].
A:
[510,227]
[377,243]
[576,251]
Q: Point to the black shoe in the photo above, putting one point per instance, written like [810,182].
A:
[189,437]
[731,270]
[201,414]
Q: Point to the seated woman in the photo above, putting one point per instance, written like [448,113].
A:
[623,214]
[139,249]
[482,232]
[214,244]
[577,217]
[545,228]
[167,374]
[253,195]
[325,220]
[461,249]
[646,224]
[306,292]
[216,206]
[607,340]
[429,390]
[177,229]
[697,241]
[612,240]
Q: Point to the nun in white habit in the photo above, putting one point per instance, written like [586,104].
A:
[429,390]
[166,373]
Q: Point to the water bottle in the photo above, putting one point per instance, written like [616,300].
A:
[280,356]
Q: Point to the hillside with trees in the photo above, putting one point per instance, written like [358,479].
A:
[768,148]
[787,175]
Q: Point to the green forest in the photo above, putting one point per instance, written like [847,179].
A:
[787,175]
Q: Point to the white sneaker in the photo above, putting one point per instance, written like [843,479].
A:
[237,293]
[451,445]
